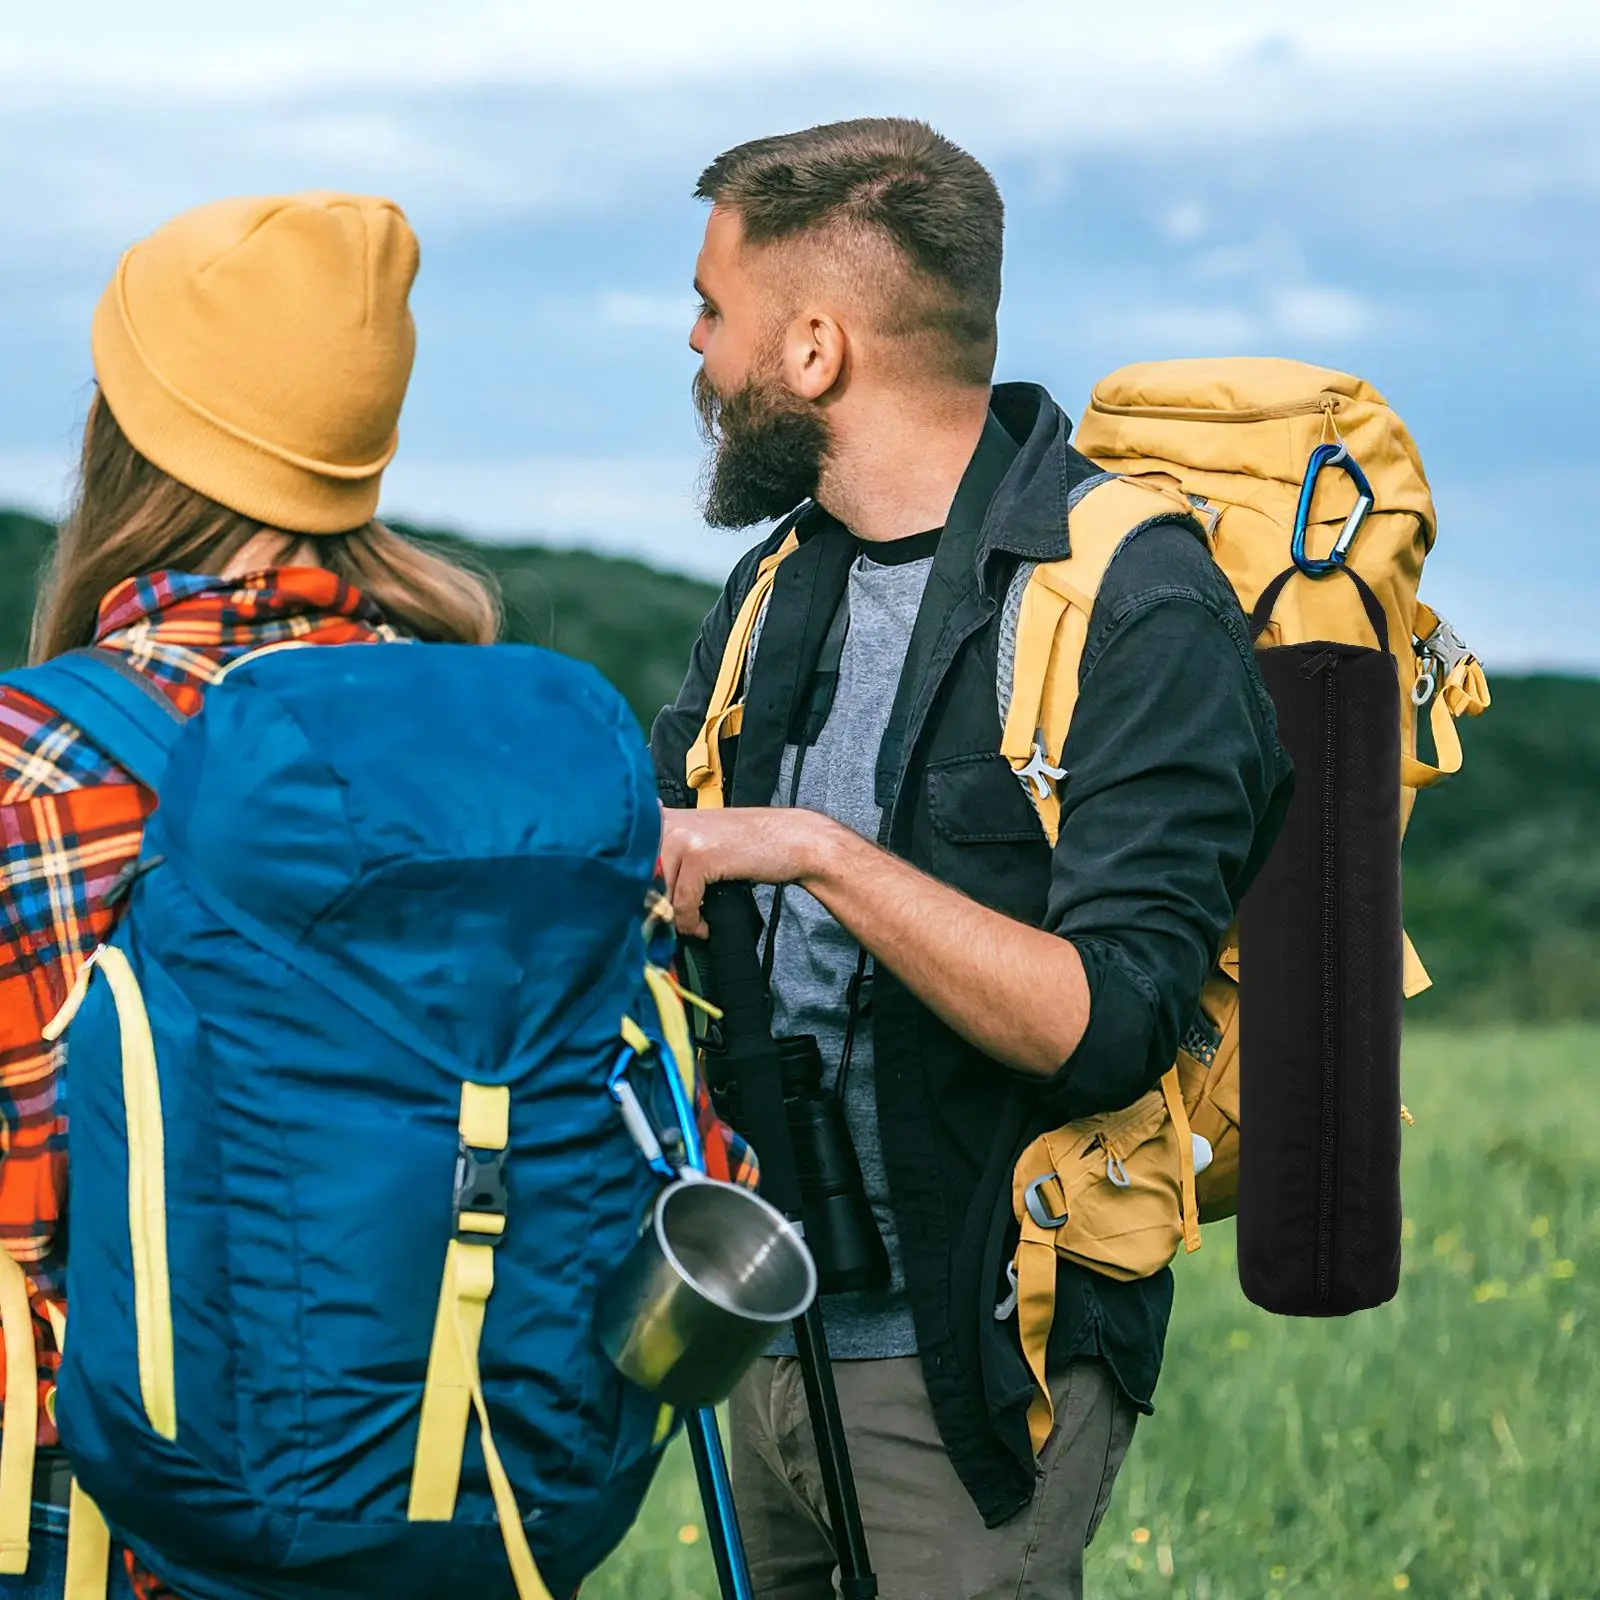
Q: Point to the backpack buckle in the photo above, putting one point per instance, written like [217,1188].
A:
[481,1198]
[1040,772]
[1036,1206]
[1446,646]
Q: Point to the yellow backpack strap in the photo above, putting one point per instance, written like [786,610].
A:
[1036,1194]
[453,1388]
[20,1419]
[725,713]
[674,1024]
[1053,628]
[88,1549]
[1463,693]
[1172,1093]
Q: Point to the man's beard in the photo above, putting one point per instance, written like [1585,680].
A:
[769,447]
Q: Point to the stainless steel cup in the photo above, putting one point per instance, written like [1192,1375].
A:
[715,1273]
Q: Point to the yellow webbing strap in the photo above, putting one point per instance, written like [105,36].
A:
[147,1195]
[20,1419]
[1036,1281]
[674,1024]
[1053,627]
[1172,1093]
[703,766]
[88,1549]
[453,1388]
[446,1396]
[1464,693]
[147,1178]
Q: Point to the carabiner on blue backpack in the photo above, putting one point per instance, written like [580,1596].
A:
[1329,455]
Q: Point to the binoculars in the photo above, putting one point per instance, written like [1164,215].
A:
[840,1230]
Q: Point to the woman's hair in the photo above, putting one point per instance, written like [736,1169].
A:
[130,518]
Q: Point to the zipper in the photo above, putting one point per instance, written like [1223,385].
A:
[1326,402]
[1327,664]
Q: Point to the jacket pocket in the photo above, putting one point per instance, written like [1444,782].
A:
[1108,1188]
[986,839]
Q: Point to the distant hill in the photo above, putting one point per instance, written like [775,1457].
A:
[1502,861]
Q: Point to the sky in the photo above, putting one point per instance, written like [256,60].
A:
[1406,191]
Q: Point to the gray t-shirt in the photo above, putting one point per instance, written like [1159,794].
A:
[815,958]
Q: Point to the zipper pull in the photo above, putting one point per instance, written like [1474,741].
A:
[59,1023]
[1317,663]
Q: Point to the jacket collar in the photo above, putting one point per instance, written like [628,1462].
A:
[1027,514]
[1016,491]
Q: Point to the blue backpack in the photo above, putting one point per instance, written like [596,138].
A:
[346,1175]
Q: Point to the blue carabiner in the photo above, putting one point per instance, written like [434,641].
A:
[1329,455]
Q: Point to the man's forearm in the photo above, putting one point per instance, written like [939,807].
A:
[1017,993]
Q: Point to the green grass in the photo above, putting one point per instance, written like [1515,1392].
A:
[1446,1446]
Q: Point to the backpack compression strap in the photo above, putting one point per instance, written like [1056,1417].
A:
[453,1388]
[121,712]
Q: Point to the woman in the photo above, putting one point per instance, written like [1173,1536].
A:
[251,358]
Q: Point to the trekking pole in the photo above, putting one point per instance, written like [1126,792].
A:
[705,1437]
[751,1060]
[716,1496]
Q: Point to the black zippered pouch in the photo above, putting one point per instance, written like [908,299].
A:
[1320,958]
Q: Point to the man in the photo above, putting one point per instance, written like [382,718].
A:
[849,278]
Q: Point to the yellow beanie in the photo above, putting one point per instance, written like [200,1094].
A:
[259,350]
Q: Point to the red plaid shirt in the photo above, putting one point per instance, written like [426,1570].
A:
[70,821]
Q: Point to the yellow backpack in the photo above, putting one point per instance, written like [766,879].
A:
[1230,442]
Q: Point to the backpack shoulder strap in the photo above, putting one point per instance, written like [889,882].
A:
[725,710]
[1040,691]
[119,710]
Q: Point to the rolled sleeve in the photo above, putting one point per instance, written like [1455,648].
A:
[1174,792]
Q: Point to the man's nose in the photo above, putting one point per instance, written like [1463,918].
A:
[697,336]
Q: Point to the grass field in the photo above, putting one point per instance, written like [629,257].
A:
[1446,1446]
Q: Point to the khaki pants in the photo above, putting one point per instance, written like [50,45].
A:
[925,1537]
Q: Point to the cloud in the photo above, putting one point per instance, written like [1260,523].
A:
[665,313]
[1278,317]
[1310,312]
[166,44]
[1185,222]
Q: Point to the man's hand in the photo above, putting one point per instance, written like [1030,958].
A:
[1016,992]
[748,844]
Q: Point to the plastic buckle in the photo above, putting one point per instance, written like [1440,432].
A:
[1040,772]
[1009,1304]
[1329,455]
[480,1191]
[1446,646]
[1036,1206]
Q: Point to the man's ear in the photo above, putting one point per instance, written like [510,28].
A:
[815,355]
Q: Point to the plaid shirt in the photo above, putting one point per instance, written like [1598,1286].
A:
[70,821]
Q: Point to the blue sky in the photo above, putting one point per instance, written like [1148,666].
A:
[1407,191]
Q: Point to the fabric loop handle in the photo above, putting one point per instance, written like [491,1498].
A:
[1262,614]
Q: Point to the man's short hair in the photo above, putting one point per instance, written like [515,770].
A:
[917,220]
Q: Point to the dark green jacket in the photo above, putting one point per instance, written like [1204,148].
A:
[1176,788]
